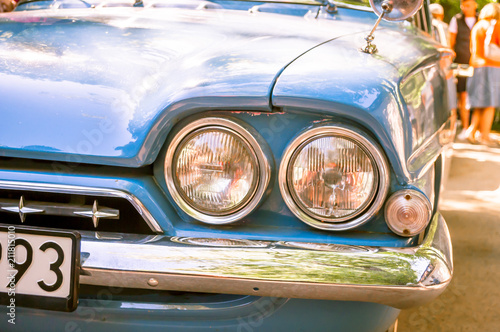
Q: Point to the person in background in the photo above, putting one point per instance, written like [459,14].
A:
[484,86]
[460,28]
[437,12]
[442,35]
[7,5]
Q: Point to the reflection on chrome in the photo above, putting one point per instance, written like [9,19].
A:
[156,306]
[211,303]
[325,247]
[220,242]
[399,277]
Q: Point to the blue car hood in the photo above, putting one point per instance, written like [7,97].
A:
[105,85]
[366,88]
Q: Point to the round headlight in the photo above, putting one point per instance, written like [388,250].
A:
[216,170]
[330,177]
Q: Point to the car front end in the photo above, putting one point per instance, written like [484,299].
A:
[219,165]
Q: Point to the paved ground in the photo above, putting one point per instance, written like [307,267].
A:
[471,207]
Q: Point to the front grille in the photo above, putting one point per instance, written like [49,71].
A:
[71,211]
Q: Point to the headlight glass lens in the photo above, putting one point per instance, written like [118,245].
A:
[216,171]
[332,178]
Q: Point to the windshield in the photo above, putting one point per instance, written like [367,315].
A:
[37,4]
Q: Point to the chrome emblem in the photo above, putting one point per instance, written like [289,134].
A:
[95,214]
[22,210]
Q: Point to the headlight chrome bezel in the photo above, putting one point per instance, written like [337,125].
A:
[381,184]
[249,137]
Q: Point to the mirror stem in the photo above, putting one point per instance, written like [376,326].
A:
[372,48]
[376,25]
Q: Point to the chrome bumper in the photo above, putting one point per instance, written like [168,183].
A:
[398,277]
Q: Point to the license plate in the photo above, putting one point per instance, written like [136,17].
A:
[39,268]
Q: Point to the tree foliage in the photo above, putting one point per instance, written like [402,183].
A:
[452,7]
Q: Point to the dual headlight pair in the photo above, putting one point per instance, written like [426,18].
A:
[331,177]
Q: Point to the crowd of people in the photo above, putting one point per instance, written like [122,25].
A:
[475,38]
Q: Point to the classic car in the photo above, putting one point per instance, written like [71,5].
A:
[225,165]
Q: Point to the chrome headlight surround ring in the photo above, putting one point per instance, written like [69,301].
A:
[367,145]
[248,137]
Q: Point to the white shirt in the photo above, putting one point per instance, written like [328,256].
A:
[453,27]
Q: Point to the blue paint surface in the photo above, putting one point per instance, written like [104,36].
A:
[123,77]
[251,314]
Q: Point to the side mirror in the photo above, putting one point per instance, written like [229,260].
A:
[396,10]
[390,10]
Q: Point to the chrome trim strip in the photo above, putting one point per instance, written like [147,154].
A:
[264,172]
[398,277]
[374,153]
[426,154]
[417,71]
[89,191]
